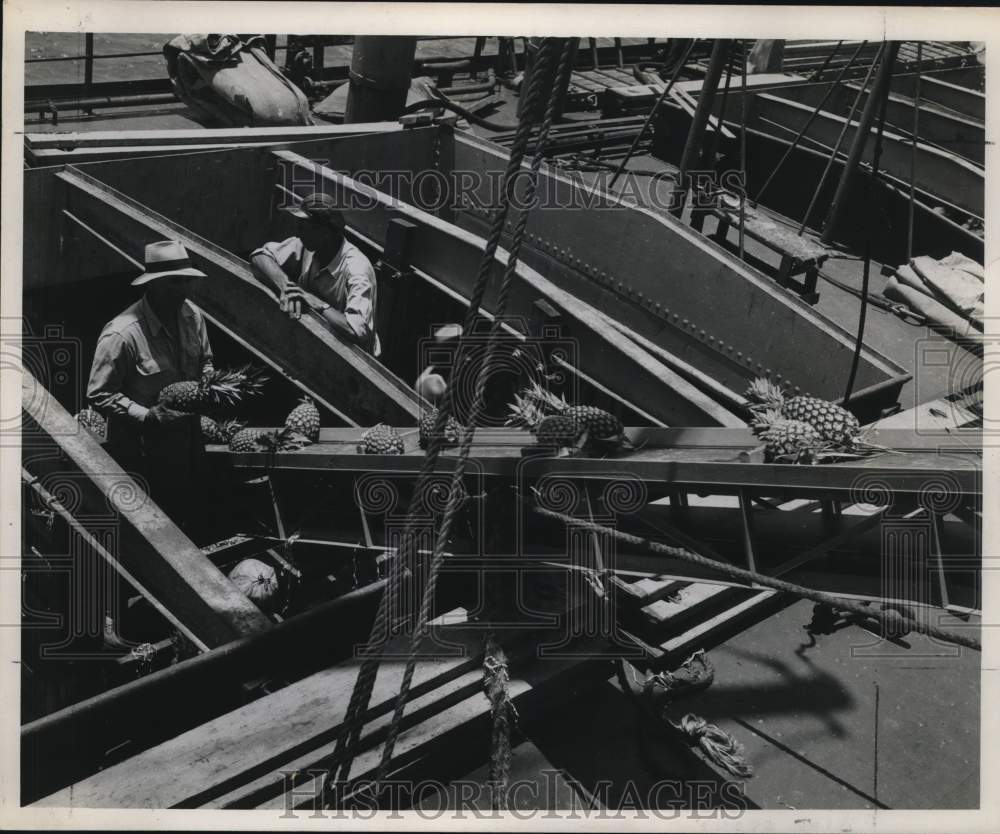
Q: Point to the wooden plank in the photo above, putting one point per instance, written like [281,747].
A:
[207,755]
[700,635]
[687,599]
[529,690]
[150,545]
[223,137]
[267,736]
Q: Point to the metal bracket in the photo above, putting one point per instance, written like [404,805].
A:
[395,260]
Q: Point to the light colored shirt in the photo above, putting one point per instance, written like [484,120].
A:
[347,283]
[136,357]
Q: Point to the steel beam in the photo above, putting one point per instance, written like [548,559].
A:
[341,376]
[151,547]
[669,284]
[715,458]
[943,175]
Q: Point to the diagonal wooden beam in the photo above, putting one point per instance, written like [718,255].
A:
[151,547]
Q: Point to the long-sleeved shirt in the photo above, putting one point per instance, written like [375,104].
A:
[346,283]
[136,357]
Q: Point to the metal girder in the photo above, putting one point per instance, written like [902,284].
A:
[946,177]
[672,286]
[938,89]
[150,546]
[341,376]
[714,458]
[955,133]
[452,255]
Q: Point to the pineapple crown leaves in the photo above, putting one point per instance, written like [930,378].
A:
[246,381]
[766,418]
[533,404]
[763,392]
[282,440]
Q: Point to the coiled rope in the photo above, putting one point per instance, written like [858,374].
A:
[347,742]
[889,619]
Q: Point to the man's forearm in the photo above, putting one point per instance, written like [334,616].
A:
[338,321]
[272,274]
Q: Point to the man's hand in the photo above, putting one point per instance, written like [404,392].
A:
[159,418]
[291,300]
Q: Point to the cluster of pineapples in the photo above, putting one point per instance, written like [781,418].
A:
[450,435]
[300,429]
[221,391]
[800,429]
[556,423]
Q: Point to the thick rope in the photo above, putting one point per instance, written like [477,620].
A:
[889,619]
[495,685]
[347,742]
[478,405]
[695,674]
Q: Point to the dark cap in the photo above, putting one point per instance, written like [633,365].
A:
[318,206]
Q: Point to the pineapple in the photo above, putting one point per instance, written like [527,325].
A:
[558,430]
[784,438]
[220,431]
[452,429]
[94,422]
[304,419]
[835,425]
[217,389]
[535,406]
[381,440]
[264,440]
[599,423]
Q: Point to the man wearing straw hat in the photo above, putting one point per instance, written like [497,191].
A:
[158,340]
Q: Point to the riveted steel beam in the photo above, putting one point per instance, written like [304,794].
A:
[675,288]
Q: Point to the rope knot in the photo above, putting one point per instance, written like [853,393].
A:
[717,744]
[694,726]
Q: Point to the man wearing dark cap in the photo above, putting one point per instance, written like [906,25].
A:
[319,269]
[158,340]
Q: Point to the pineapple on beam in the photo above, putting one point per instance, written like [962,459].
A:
[269,441]
[219,432]
[304,419]
[786,440]
[556,423]
[381,440]
[834,424]
[452,429]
